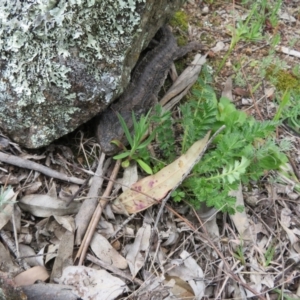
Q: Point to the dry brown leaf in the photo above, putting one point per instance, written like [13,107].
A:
[190,272]
[219,47]
[285,217]
[67,222]
[104,251]
[26,250]
[130,176]
[31,276]
[105,228]
[64,256]
[240,219]
[51,252]
[181,289]
[241,92]
[152,189]
[46,206]
[93,284]
[136,251]
[9,179]
[227,90]
[33,187]
[7,265]
[255,277]
[7,208]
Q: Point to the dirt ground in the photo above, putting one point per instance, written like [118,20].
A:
[168,250]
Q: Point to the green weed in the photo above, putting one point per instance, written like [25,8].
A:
[251,28]
[163,123]
[138,146]
[269,255]
[244,151]
[178,195]
[240,255]
[282,295]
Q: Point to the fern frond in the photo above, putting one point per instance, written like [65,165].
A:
[198,118]
[233,172]
[164,134]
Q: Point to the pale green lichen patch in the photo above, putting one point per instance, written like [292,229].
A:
[39,40]
[33,33]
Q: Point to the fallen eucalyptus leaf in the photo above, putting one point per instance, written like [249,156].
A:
[45,206]
[93,284]
[104,251]
[7,200]
[136,252]
[30,276]
[154,188]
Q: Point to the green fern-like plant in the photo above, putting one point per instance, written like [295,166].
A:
[162,121]
[199,114]
[242,152]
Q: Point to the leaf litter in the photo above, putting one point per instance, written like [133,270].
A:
[186,254]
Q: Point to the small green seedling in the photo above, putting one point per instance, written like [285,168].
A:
[269,255]
[240,255]
[138,145]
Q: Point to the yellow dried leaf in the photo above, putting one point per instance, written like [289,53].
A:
[152,189]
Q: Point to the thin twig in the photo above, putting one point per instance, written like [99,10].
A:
[122,225]
[88,207]
[27,164]
[12,247]
[97,215]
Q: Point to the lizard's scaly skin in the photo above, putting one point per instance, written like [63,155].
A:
[141,92]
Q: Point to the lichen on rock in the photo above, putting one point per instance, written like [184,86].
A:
[34,33]
[64,61]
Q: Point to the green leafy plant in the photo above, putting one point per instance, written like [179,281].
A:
[243,152]
[251,28]
[162,121]
[138,146]
[240,254]
[269,255]
[282,295]
[289,110]
[178,195]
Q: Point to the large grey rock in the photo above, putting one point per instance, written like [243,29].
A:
[64,61]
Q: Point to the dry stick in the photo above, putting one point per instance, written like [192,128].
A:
[13,249]
[88,207]
[27,164]
[97,215]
